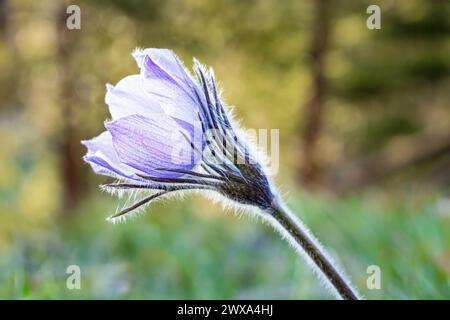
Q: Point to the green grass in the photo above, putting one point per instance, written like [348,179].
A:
[190,250]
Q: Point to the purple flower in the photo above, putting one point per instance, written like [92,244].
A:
[151,114]
[170,132]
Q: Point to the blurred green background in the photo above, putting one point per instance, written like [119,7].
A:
[364,119]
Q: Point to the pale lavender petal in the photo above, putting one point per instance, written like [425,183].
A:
[147,144]
[149,111]
[168,65]
[103,158]
[128,97]
[169,83]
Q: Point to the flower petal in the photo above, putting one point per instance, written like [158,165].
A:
[168,82]
[165,63]
[103,158]
[128,97]
[147,144]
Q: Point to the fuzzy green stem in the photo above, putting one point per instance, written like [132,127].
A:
[290,224]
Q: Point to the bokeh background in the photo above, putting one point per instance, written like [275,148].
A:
[364,119]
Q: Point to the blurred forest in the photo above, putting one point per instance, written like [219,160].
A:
[364,119]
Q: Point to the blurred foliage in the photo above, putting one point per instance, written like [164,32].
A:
[383,84]
[178,251]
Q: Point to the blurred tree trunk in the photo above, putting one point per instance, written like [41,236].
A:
[11,82]
[314,109]
[69,147]
[4,8]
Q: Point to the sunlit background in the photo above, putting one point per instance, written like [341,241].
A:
[364,120]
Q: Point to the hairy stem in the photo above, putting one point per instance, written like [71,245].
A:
[287,223]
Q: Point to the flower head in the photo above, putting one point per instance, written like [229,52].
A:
[171,132]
